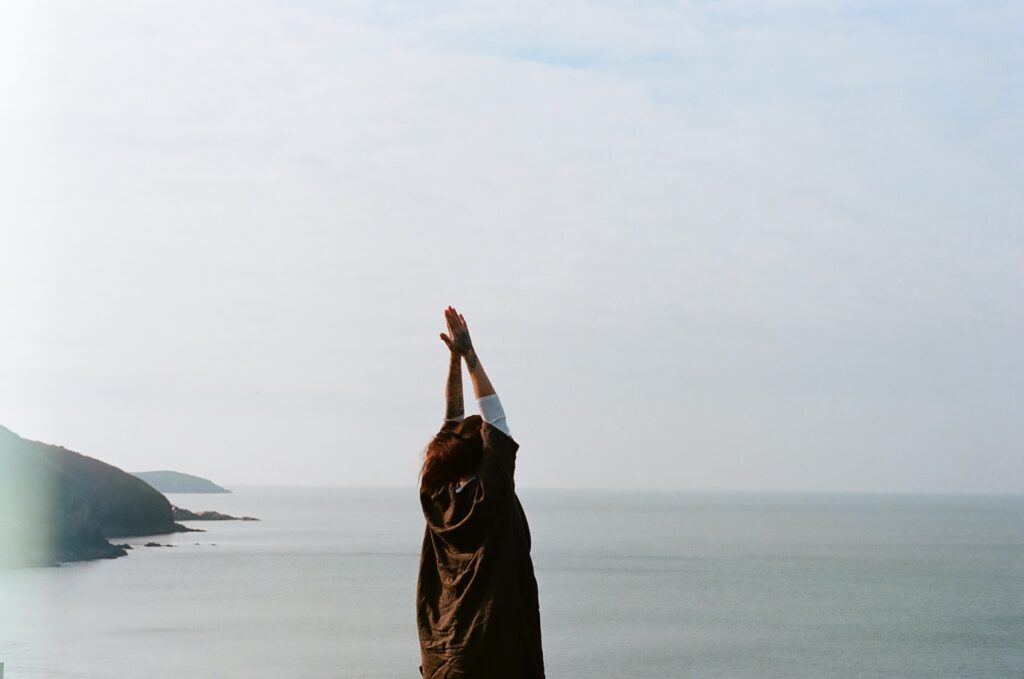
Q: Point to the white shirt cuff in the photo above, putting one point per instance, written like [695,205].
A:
[492,412]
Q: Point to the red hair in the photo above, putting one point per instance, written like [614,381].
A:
[452,453]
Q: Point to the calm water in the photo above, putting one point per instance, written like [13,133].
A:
[631,584]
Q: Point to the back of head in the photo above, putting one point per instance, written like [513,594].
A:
[452,453]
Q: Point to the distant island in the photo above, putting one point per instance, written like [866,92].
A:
[177,482]
[58,505]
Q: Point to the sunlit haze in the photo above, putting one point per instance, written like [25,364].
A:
[711,246]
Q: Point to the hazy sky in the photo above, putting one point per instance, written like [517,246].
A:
[705,245]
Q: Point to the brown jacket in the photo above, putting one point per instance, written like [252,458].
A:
[476,599]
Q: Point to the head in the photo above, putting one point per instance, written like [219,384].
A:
[454,452]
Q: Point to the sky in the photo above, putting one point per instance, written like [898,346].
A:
[702,245]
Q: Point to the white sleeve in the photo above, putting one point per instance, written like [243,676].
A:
[492,412]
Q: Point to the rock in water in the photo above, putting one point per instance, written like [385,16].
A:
[182,514]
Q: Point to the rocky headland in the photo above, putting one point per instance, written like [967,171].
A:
[58,505]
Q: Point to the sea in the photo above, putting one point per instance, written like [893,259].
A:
[632,584]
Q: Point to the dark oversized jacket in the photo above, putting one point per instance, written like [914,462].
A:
[476,599]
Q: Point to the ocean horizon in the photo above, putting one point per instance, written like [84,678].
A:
[654,583]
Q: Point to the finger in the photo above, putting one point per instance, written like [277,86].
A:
[447,340]
[463,319]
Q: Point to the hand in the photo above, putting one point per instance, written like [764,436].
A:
[457,339]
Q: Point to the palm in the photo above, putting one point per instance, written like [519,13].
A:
[457,338]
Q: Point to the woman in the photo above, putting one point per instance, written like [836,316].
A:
[476,597]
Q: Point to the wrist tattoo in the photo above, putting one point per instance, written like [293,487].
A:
[471,359]
[463,344]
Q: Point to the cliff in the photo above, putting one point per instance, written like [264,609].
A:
[177,482]
[59,505]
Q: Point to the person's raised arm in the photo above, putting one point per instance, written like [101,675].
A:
[490,404]
[464,345]
[454,406]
